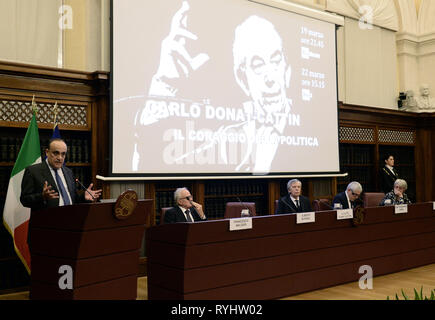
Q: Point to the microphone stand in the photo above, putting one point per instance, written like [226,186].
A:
[86,189]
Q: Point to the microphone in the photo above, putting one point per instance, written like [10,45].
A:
[243,213]
[84,188]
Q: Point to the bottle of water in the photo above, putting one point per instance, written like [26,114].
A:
[244,213]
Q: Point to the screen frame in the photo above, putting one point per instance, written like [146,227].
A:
[278,4]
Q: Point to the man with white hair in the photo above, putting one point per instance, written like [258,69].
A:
[348,199]
[294,201]
[185,210]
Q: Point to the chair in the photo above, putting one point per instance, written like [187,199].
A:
[234,209]
[372,199]
[162,214]
[276,206]
[321,205]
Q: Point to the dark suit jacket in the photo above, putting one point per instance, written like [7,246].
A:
[175,214]
[342,199]
[387,179]
[33,183]
[286,205]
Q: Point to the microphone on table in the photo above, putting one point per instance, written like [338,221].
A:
[84,188]
[243,214]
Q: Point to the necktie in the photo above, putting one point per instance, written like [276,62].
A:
[62,190]
[298,207]
[189,219]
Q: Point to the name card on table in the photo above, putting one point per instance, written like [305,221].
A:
[305,217]
[240,224]
[433,205]
[344,214]
[400,208]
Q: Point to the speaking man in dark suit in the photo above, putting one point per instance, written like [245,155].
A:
[294,202]
[50,183]
[349,198]
[186,209]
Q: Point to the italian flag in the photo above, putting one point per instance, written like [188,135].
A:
[15,216]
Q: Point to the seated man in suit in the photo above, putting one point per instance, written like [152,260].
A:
[186,209]
[50,183]
[349,198]
[294,202]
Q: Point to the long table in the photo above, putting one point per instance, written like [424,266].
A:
[279,258]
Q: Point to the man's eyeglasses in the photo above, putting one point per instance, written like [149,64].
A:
[188,198]
[355,194]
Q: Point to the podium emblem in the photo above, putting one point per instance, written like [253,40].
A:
[125,204]
[358,218]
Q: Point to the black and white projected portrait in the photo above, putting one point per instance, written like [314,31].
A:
[262,73]
[221,87]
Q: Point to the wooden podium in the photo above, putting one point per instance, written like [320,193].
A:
[102,251]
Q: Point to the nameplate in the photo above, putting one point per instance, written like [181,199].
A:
[400,208]
[240,224]
[344,214]
[305,217]
[433,205]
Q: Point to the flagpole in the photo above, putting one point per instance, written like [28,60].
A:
[34,105]
[55,111]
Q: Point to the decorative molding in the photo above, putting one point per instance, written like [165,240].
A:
[357,134]
[395,136]
[21,112]
[415,45]
[368,135]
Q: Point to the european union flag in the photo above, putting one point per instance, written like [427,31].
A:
[55,135]
[56,132]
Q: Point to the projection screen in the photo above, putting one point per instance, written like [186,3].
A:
[221,87]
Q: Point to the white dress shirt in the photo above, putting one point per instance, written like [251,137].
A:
[348,201]
[62,177]
[185,214]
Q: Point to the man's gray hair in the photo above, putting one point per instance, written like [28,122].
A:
[289,184]
[177,194]
[401,183]
[354,186]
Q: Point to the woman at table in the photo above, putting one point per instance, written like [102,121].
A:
[398,195]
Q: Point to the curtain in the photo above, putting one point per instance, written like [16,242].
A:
[30,31]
